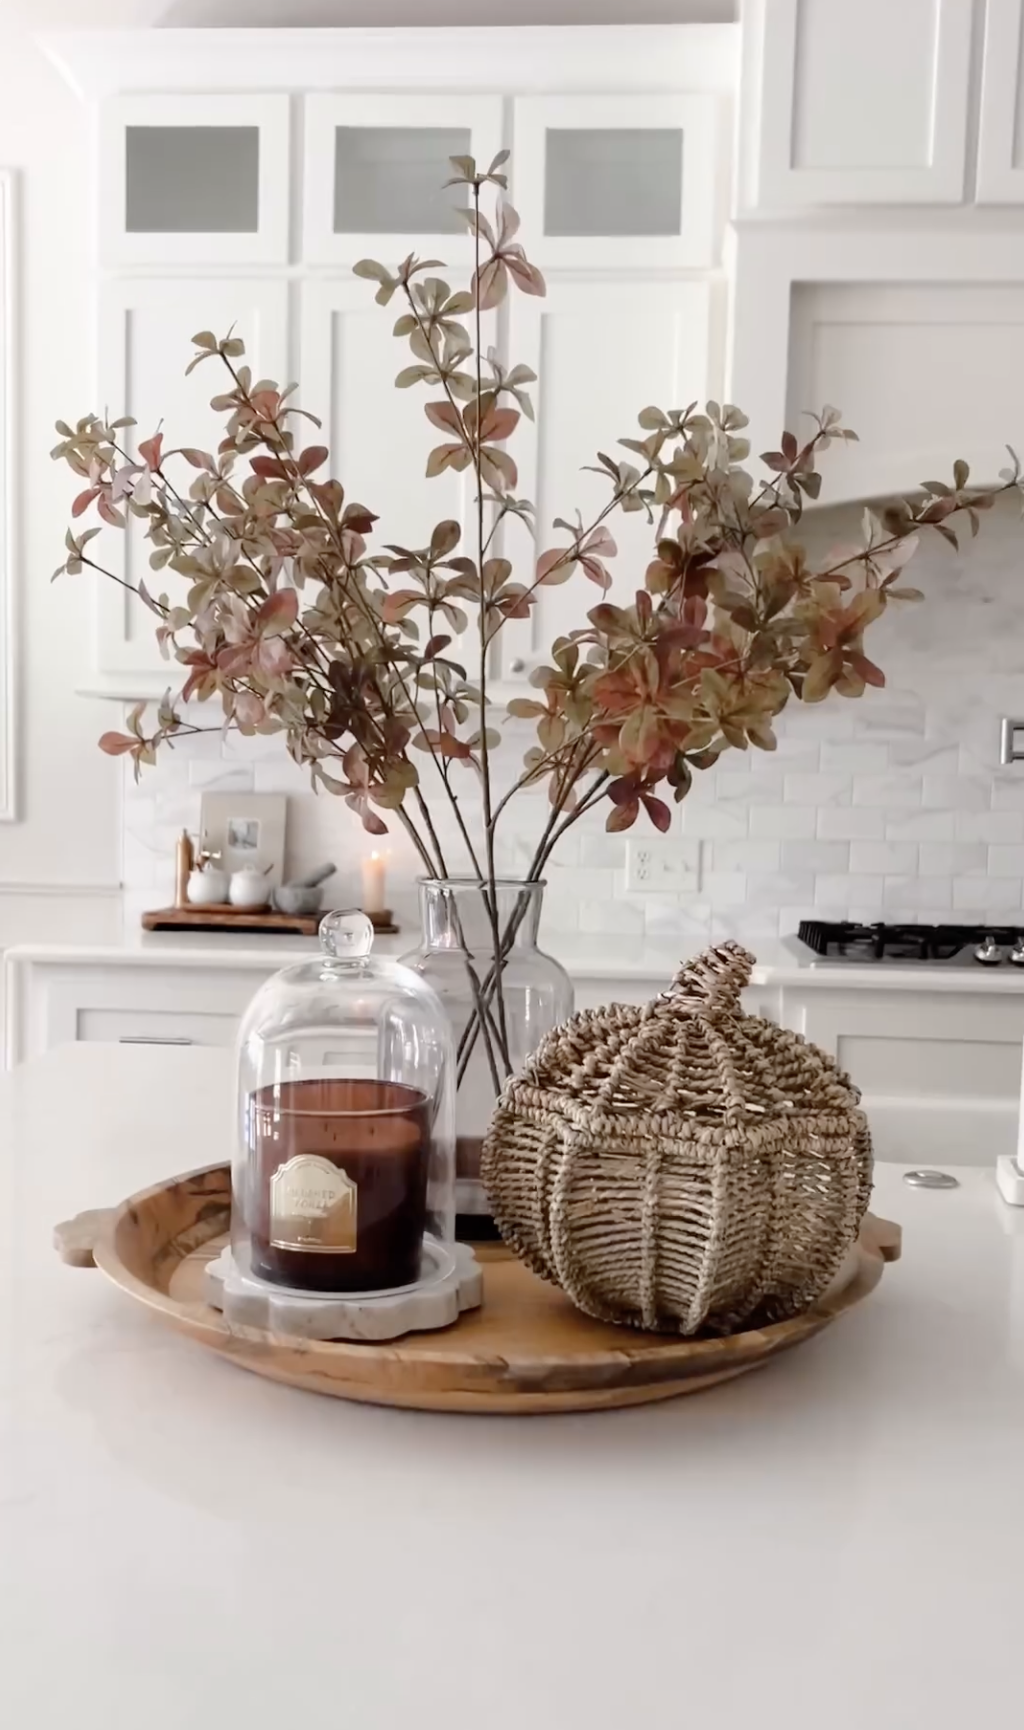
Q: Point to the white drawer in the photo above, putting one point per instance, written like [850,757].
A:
[154,1027]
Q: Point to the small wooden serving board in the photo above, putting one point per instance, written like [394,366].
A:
[222,917]
[526,1350]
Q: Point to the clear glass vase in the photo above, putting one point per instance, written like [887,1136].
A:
[500,1012]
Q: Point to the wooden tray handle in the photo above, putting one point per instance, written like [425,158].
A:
[884,1236]
[75,1239]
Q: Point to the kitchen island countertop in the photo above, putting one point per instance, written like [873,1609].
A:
[778,962]
[835,1540]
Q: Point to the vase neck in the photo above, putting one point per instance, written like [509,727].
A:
[460,912]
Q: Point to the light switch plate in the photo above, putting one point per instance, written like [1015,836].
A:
[661,865]
[1011,741]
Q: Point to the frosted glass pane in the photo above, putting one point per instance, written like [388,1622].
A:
[388,179]
[192,179]
[623,181]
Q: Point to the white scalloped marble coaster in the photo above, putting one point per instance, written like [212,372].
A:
[436,1302]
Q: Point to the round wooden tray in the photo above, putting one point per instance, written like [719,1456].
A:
[526,1350]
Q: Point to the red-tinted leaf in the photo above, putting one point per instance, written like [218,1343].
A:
[268,469]
[556,565]
[658,812]
[622,816]
[199,459]
[871,674]
[499,423]
[108,512]
[149,450]
[490,284]
[526,276]
[117,744]
[312,458]
[84,500]
[444,415]
[279,612]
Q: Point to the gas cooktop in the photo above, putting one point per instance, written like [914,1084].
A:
[933,945]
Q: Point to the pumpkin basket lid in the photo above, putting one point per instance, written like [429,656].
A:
[693,1052]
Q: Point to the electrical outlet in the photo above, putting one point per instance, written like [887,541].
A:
[662,865]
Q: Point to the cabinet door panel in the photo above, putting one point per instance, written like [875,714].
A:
[375,168]
[861,102]
[379,437]
[1001,117]
[144,348]
[591,171]
[194,180]
[920,372]
[603,351]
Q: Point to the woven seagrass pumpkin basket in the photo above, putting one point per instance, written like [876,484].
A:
[684,1166]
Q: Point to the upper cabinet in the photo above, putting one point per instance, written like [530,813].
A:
[610,178]
[375,168]
[242,174]
[194,179]
[857,102]
[1001,127]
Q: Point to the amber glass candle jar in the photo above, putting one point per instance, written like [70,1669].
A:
[344,1173]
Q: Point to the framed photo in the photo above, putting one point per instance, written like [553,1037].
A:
[247,830]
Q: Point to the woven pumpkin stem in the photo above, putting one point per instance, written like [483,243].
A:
[713,981]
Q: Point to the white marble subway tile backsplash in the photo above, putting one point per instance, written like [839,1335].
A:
[892,806]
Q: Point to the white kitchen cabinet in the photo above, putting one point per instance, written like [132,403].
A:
[230,205]
[604,348]
[374,173]
[145,330]
[8,542]
[918,369]
[375,432]
[202,179]
[599,180]
[856,102]
[939,1072]
[58,999]
[1001,113]
[908,325]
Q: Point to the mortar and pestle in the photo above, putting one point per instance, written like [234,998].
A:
[305,894]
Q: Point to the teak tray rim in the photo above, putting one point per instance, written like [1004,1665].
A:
[447,1370]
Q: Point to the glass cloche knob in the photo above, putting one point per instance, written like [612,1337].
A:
[346,935]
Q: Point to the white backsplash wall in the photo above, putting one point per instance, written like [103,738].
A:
[894,806]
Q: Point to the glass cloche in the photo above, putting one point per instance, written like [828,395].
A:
[344,1175]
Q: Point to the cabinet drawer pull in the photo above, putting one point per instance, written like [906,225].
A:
[154,1039]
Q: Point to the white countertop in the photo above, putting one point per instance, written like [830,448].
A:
[834,1543]
[781,962]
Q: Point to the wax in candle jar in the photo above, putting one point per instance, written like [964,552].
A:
[373,884]
[340,1169]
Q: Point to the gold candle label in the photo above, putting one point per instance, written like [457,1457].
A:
[312,1207]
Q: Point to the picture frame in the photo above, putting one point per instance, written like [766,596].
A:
[246,831]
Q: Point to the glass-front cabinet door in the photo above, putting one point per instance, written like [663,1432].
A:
[606,180]
[374,174]
[189,179]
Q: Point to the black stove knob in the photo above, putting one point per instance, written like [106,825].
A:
[989,953]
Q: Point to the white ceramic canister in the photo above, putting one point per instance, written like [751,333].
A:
[208,888]
[249,888]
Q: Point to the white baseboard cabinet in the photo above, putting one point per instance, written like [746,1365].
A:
[939,1065]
